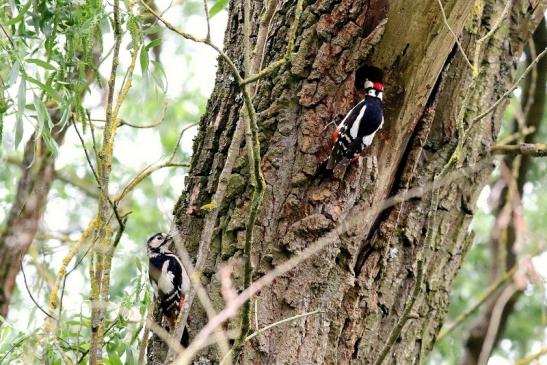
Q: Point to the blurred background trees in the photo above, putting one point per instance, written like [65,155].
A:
[55,62]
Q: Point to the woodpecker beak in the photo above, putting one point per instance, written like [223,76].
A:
[169,237]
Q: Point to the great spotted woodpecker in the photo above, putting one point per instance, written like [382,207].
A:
[168,277]
[357,129]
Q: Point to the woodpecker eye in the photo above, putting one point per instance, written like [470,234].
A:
[156,240]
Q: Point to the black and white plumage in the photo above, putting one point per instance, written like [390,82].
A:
[168,277]
[358,128]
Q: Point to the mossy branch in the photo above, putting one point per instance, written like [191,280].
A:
[290,46]
[526,149]
[50,325]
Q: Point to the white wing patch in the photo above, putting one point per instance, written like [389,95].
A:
[155,287]
[367,140]
[355,127]
[165,282]
[185,278]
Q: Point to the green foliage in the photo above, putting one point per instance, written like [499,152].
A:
[49,55]
[51,65]
[218,7]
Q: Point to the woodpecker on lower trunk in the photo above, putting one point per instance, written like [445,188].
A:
[168,277]
[358,128]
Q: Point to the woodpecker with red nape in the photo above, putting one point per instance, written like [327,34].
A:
[359,126]
[168,277]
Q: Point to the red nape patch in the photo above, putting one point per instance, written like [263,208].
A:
[181,302]
[335,135]
[378,86]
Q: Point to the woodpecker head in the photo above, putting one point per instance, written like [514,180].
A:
[370,78]
[159,241]
[374,89]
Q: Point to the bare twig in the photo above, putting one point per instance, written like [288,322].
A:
[494,323]
[144,340]
[166,337]
[192,37]
[454,35]
[486,37]
[30,293]
[270,326]
[104,194]
[220,336]
[512,88]
[530,358]
[262,35]
[206,9]
[253,155]
[517,135]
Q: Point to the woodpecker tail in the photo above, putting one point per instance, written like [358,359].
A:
[185,338]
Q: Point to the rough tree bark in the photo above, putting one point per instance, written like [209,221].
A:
[364,279]
[502,242]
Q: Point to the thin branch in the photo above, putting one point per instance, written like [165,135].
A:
[177,145]
[153,125]
[481,41]
[517,135]
[192,37]
[144,341]
[270,326]
[494,322]
[220,335]
[210,221]
[66,276]
[53,297]
[262,35]
[445,20]
[497,23]
[149,170]
[30,293]
[512,88]
[166,337]
[74,181]
[95,174]
[530,358]
[206,9]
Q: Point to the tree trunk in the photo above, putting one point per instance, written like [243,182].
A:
[364,280]
[26,212]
